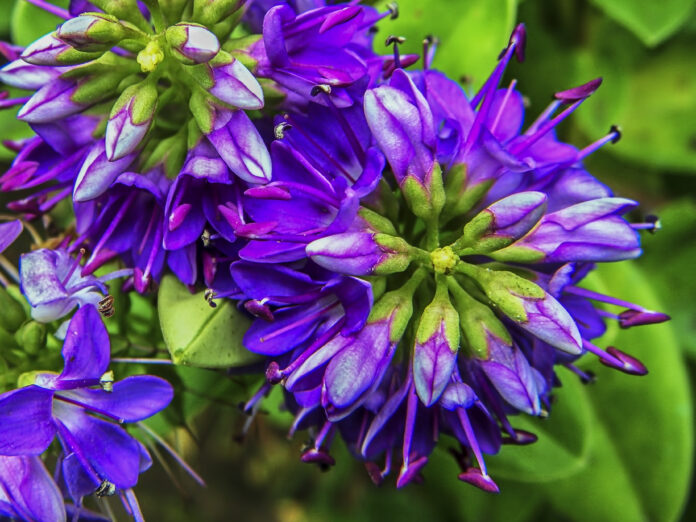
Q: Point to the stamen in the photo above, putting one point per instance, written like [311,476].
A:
[105,489]
[586,377]
[88,408]
[393,9]
[280,130]
[613,136]
[395,40]
[589,294]
[304,320]
[106,306]
[652,224]
[106,381]
[209,295]
[509,91]
[430,44]
[471,438]
[74,266]
[616,359]
[321,88]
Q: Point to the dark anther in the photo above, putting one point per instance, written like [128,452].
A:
[431,40]
[321,88]
[280,130]
[209,295]
[373,29]
[655,221]
[106,381]
[106,306]
[105,489]
[392,39]
[589,378]
[393,8]
[615,129]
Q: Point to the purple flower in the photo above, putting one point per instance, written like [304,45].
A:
[97,451]
[53,283]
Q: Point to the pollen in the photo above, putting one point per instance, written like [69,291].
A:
[150,57]
[443,259]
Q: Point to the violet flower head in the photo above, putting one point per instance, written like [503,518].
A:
[476,293]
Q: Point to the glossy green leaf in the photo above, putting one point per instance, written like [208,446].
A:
[649,95]
[12,128]
[651,21]
[29,22]
[469,45]
[198,335]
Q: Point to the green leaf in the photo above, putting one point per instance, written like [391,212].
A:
[651,21]
[669,259]
[12,128]
[650,95]
[641,461]
[29,22]
[198,335]
[469,45]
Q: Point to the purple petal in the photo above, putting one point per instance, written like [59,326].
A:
[235,85]
[8,233]
[27,487]
[433,362]
[86,349]
[242,148]
[132,399]
[580,92]
[109,449]
[512,377]
[98,173]
[28,407]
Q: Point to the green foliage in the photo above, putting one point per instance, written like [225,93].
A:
[28,22]
[651,21]
[197,334]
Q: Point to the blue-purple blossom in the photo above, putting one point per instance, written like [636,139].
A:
[28,492]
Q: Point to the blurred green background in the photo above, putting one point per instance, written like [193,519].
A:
[618,450]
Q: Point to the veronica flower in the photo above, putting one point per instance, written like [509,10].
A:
[98,454]
[481,339]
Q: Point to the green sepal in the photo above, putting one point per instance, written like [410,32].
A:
[144,96]
[16,293]
[422,201]
[96,88]
[173,9]
[438,311]
[170,152]
[518,254]
[196,334]
[397,307]
[437,189]
[507,291]
[106,31]
[12,314]
[225,27]
[203,111]
[460,197]
[71,56]
[397,261]
[31,337]
[379,286]
[476,321]
[7,341]
[123,10]
[377,222]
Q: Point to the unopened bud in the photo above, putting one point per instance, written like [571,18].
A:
[192,43]
[92,32]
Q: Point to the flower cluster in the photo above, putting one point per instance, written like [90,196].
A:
[411,255]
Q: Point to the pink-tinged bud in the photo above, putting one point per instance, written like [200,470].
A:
[130,120]
[98,173]
[192,43]
[234,84]
[360,253]
[92,32]
[629,318]
[24,75]
[52,102]
[50,50]
[436,346]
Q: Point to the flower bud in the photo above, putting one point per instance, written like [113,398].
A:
[360,253]
[24,75]
[192,43]
[233,84]
[528,305]
[51,51]
[92,32]
[436,346]
[130,119]
[588,231]
[98,173]
[31,337]
[502,223]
